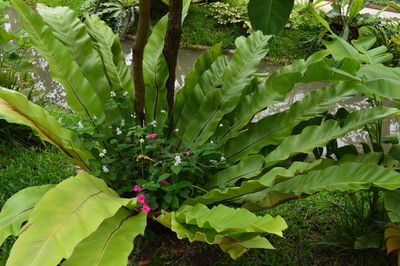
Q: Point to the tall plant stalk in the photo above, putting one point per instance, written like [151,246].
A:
[171,46]
[140,43]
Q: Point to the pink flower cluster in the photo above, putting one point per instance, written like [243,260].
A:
[141,199]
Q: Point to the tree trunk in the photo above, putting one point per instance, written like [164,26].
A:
[137,62]
[96,8]
[171,46]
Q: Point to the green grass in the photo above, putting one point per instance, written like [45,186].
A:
[200,29]
[22,167]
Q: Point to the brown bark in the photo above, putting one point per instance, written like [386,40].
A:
[96,8]
[171,46]
[137,61]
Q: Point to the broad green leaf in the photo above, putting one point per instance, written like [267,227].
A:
[111,243]
[341,49]
[203,63]
[319,136]
[272,130]
[392,205]
[109,48]
[371,56]
[270,92]
[65,216]
[320,19]
[355,7]
[17,209]
[225,226]
[71,32]
[209,81]
[15,108]
[155,70]
[222,101]
[275,175]
[346,177]
[269,16]
[81,95]
[381,81]
[248,167]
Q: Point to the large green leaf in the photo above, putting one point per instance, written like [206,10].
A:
[15,108]
[346,177]
[269,16]
[271,130]
[111,243]
[203,63]
[81,95]
[270,92]
[109,48]
[319,136]
[69,30]
[275,175]
[234,230]
[392,205]
[155,70]
[381,81]
[222,101]
[247,168]
[355,7]
[18,208]
[65,216]
[209,81]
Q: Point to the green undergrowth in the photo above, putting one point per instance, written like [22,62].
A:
[73,4]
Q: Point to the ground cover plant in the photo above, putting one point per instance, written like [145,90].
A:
[195,163]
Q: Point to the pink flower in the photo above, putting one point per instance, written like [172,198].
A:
[164,182]
[136,188]
[140,198]
[186,152]
[146,208]
[152,136]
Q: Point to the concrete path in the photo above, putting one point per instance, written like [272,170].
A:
[372,11]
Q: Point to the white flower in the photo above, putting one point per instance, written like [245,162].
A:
[163,111]
[105,169]
[212,142]
[176,129]
[104,151]
[122,122]
[223,159]
[126,93]
[177,160]
[119,132]
[113,94]
[133,115]
[102,154]
[154,123]
[221,125]
[94,117]
[80,125]
[141,140]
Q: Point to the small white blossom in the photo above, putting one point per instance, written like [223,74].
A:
[119,132]
[102,154]
[163,111]
[141,140]
[94,117]
[154,123]
[122,122]
[176,129]
[223,159]
[221,125]
[113,94]
[80,125]
[60,120]
[177,160]
[133,115]
[104,151]
[105,169]
[212,142]
[126,93]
